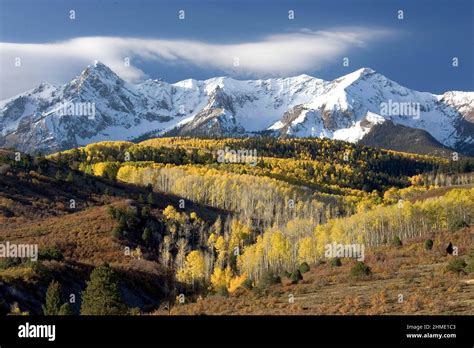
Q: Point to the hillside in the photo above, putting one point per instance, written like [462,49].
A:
[35,208]
[400,138]
[187,223]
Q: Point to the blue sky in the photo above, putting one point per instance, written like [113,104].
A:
[416,52]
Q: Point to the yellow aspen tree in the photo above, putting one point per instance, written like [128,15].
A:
[237,282]
[194,269]
[218,278]
[279,253]
[238,234]
[180,259]
[307,250]
[221,248]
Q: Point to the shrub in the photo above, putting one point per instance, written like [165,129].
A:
[117,232]
[428,244]
[360,269]
[336,262]
[70,177]
[456,265]
[40,270]
[247,284]
[150,199]
[134,311]
[9,262]
[304,267]
[15,310]
[53,253]
[470,261]
[296,276]
[458,224]
[112,211]
[268,278]
[397,242]
[222,291]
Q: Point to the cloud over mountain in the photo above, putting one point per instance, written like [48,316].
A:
[275,55]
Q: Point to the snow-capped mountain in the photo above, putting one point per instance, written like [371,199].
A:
[99,105]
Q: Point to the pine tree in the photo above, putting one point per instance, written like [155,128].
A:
[53,299]
[102,296]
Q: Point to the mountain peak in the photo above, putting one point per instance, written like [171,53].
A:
[304,76]
[42,86]
[98,66]
[98,71]
[365,71]
[360,74]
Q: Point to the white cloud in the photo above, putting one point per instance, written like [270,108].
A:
[276,55]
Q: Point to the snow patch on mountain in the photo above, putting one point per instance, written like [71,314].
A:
[345,108]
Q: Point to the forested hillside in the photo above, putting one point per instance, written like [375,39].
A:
[215,217]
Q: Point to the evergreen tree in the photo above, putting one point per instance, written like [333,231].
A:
[428,244]
[53,299]
[102,296]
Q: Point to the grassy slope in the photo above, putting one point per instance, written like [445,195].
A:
[34,209]
[419,275]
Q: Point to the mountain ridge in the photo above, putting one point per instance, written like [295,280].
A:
[346,108]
